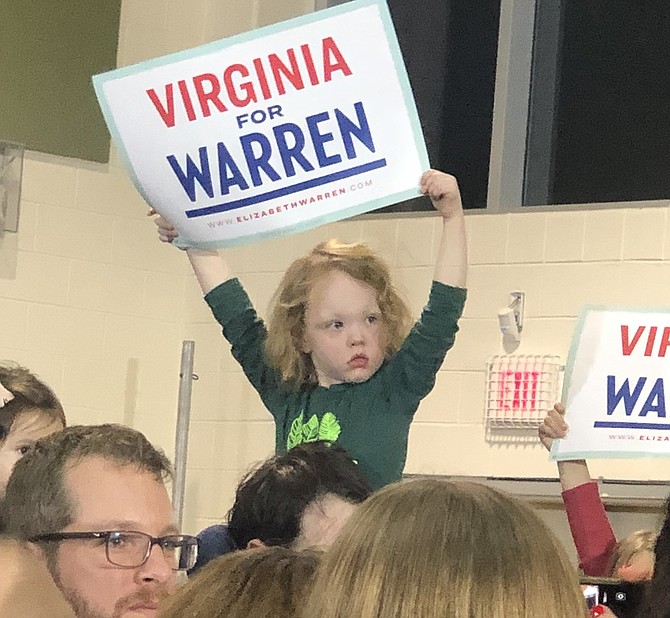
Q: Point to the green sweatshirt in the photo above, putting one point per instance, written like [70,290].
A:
[370,419]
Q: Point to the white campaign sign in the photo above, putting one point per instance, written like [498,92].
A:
[617,386]
[274,131]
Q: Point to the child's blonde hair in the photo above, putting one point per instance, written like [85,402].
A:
[252,582]
[428,548]
[629,548]
[286,325]
[30,395]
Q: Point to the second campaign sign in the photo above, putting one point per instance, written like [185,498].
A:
[274,131]
[616,386]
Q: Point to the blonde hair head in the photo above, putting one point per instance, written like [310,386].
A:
[628,549]
[441,549]
[286,324]
[250,582]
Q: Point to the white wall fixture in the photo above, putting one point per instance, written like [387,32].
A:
[510,318]
[11,170]
[520,389]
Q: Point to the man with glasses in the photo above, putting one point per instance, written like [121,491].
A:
[92,501]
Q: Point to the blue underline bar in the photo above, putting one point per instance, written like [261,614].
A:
[624,425]
[301,186]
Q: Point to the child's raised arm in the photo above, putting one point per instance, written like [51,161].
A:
[209,266]
[571,473]
[591,529]
[451,264]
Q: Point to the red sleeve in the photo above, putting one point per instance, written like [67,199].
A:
[590,528]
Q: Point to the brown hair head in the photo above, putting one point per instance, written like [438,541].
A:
[252,582]
[37,501]
[431,548]
[30,395]
[286,325]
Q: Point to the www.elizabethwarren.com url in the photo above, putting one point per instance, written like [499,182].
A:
[288,206]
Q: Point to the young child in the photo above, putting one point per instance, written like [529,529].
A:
[333,363]
[29,410]
[600,555]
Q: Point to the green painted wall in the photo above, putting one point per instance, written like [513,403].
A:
[49,49]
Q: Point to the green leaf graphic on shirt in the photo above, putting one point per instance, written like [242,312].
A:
[310,430]
[329,429]
[295,434]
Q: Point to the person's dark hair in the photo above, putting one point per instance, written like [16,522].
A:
[37,501]
[656,603]
[270,501]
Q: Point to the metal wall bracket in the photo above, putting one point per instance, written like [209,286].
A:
[11,173]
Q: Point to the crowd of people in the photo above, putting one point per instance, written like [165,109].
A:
[326,528]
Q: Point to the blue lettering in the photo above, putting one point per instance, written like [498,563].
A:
[319,139]
[288,153]
[629,399]
[259,162]
[656,400]
[361,131]
[226,163]
[193,173]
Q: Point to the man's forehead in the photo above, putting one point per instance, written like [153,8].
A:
[108,495]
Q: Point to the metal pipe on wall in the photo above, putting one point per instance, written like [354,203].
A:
[186,377]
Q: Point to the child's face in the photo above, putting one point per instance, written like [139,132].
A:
[344,330]
[27,428]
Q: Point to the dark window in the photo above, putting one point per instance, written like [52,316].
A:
[450,51]
[599,119]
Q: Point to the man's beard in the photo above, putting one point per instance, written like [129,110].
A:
[152,594]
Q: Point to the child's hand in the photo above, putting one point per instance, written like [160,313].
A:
[443,191]
[166,231]
[553,426]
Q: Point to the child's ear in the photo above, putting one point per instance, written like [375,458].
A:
[255,544]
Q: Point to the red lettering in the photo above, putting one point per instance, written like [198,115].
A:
[628,346]
[167,115]
[242,84]
[309,63]
[210,96]
[665,341]
[262,78]
[650,341]
[186,98]
[292,74]
[336,63]
[246,87]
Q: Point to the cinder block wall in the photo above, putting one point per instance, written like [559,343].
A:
[90,300]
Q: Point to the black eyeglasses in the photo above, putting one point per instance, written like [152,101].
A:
[131,549]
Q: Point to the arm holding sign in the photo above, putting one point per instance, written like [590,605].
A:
[589,525]
[210,268]
[208,265]
[571,473]
[242,328]
[451,265]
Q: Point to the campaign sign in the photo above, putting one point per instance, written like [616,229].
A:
[273,131]
[617,386]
